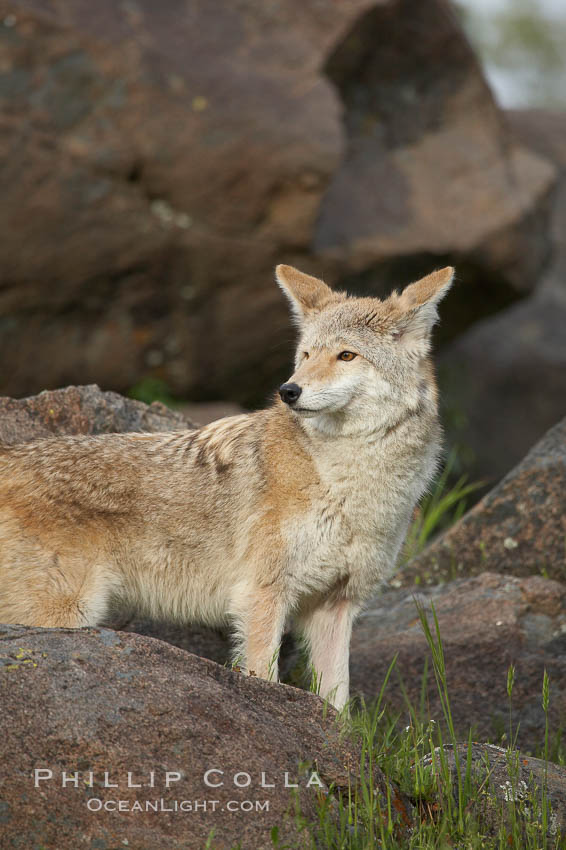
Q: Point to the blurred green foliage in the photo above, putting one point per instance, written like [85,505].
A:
[522,44]
[153,389]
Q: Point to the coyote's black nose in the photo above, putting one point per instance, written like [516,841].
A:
[290,393]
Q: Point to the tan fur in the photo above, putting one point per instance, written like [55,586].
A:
[284,515]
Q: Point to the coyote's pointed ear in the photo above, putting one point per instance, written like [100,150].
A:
[419,302]
[306,294]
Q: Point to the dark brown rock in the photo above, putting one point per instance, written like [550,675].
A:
[432,174]
[486,624]
[160,158]
[541,130]
[204,413]
[503,384]
[95,700]
[518,528]
[504,381]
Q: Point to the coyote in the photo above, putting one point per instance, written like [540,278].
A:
[293,514]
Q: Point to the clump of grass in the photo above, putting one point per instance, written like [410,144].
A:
[455,806]
[439,509]
[151,389]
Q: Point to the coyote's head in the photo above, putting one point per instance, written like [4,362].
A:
[360,359]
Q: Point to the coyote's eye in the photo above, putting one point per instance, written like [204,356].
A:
[346,355]
[306,355]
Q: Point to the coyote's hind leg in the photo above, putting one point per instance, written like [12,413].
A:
[54,591]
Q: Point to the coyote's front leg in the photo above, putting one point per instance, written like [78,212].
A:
[261,630]
[327,630]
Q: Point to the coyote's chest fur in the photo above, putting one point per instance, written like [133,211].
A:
[350,536]
[292,513]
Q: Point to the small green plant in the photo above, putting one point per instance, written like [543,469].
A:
[442,507]
[151,389]
[545,707]
[510,683]
[315,682]
[272,667]
[235,662]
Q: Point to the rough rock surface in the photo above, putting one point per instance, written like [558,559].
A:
[486,623]
[213,644]
[81,410]
[513,783]
[95,700]
[504,380]
[518,528]
[159,158]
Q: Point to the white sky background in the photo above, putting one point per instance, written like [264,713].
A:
[523,47]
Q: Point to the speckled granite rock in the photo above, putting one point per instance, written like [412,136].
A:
[96,700]
[518,528]
[513,783]
[81,410]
